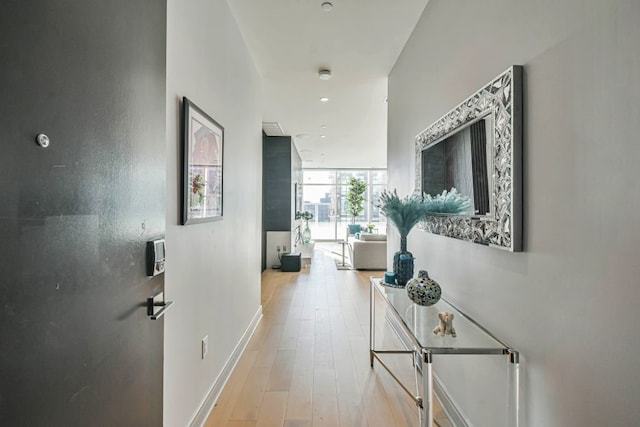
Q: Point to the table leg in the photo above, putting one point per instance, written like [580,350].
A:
[343,254]
[372,322]
[513,391]
[427,399]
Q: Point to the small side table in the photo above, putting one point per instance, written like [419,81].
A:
[343,265]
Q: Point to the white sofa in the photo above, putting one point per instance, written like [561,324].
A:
[368,251]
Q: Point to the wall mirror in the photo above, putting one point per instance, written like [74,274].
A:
[477,148]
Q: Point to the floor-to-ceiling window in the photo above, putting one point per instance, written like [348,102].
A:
[324,194]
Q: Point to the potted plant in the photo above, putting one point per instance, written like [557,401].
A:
[355,197]
[405,213]
[306,233]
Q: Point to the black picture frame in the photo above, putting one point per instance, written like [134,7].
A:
[202,165]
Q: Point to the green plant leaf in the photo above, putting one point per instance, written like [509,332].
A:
[355,197]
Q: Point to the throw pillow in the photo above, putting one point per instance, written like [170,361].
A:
[354,228]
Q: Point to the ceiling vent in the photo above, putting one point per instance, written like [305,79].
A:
[272,129]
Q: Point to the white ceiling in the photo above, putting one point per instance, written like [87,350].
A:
[359,41]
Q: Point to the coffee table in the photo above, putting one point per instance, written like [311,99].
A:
[414,325]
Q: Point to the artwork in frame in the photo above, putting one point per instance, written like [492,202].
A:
[202,167]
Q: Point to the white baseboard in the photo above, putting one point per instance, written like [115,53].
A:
[449,407]
[214,393]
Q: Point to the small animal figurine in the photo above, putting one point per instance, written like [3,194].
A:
[446,324]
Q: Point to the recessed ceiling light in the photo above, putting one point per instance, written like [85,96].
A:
[303,136]
[324,99]
[324,74]
[326,6]
[323,126]
[323,136]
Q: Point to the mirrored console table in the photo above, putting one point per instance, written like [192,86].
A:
[415,325]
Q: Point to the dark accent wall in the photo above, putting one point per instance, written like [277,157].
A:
[76,346]
[281,168]
[277,183]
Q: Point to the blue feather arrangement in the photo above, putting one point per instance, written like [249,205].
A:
[447,202]
[404,212]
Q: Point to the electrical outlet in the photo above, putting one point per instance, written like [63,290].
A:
[278,248]
[205,346]
[284,249]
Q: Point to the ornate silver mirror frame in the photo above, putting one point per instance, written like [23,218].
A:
[502,227]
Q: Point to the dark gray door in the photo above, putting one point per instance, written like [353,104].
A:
[76,345]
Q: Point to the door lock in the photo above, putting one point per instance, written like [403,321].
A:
[157,301]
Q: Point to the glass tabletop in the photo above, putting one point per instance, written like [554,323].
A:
[420,321]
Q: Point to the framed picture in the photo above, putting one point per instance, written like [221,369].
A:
[202,168]
[298,192]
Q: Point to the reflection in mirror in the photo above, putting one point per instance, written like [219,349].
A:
[462,161]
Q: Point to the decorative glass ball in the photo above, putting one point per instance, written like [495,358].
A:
[423,290]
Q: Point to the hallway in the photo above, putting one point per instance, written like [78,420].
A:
[308,363]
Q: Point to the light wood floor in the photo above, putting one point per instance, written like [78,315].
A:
[307,364]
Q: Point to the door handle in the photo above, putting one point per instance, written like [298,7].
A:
[157,301]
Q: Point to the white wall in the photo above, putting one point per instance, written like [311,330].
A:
[213,269]
[569,302]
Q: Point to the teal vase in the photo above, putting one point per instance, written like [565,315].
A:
[403,263]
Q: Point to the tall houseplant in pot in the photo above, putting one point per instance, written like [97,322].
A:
[355,197]
[404,214]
